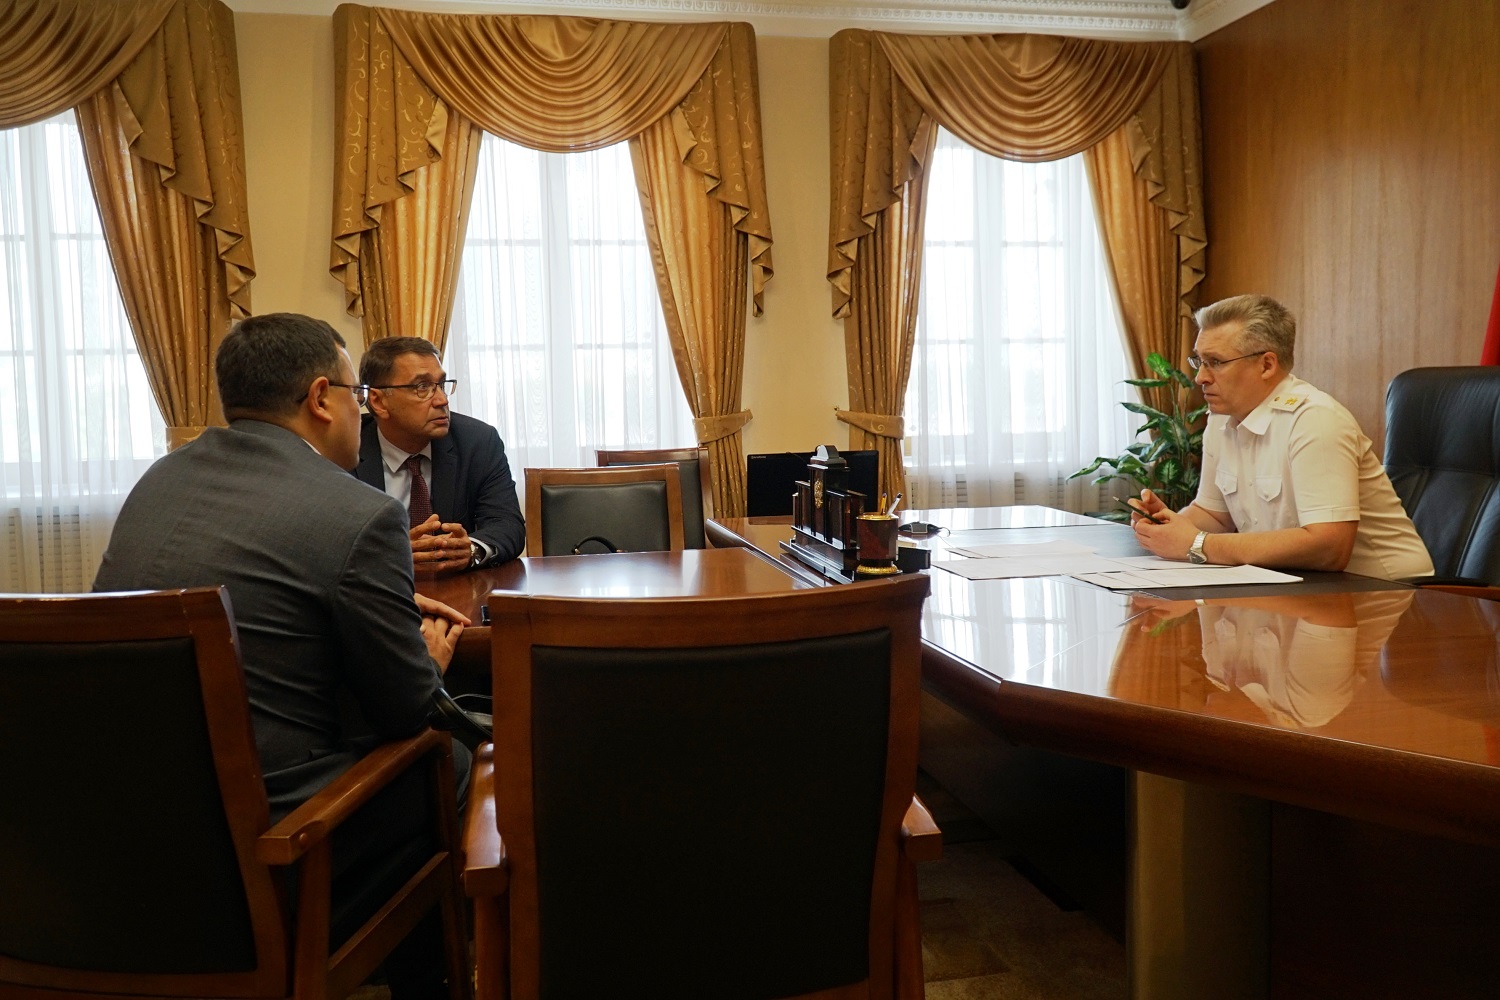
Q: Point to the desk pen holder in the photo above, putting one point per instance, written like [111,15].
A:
[876,534]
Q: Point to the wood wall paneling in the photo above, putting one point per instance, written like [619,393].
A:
[1352,170]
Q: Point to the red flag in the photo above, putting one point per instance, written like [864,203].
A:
[1491,355]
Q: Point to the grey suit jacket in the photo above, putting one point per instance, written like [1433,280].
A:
[471,482]
[319,572]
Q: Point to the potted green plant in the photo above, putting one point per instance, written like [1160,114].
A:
[1167,460]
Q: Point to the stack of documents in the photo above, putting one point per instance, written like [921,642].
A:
[1007,561]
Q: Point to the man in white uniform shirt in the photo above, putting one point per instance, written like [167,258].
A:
[1288,479]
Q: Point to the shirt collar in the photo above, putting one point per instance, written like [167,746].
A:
[395,457]
[1258,420]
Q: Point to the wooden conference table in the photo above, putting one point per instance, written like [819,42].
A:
[1252,767]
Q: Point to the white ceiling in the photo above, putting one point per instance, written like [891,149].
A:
[1126,19]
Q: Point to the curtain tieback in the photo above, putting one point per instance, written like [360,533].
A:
[880,424]
[179,436]
[711,429]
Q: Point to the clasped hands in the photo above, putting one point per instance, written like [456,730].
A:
[438,546]
[1161,530]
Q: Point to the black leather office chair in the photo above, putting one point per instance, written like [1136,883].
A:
[702,797]
[1442,452]
[697,483]
[634,508]
[139,857]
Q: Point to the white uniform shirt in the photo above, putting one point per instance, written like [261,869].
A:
[1301,675]
[1300,458]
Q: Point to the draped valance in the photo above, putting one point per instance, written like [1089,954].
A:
[155,87]
[171,72]
[1021,97]
[559,84]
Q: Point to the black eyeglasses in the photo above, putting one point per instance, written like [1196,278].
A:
[1196,363]
[361,392]
[424,390]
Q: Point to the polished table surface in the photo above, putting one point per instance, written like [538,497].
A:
[1342,694]
[728,571]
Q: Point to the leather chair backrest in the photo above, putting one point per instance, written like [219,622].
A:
[691,462]
[633,516]
[1442,453]
[738,790]
[703,797]
[117,851]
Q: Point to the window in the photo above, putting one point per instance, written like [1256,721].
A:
[557,336]
[1019,363]
[78,424]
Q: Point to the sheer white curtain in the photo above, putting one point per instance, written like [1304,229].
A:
[1019,363]
[78,424]
[557,336]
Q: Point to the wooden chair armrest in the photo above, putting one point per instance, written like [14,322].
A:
[486,872]
[316,818]
[921,840]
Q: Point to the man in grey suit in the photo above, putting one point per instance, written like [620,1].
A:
[448,469]
[319,573]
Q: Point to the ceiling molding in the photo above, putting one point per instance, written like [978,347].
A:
[1136,20]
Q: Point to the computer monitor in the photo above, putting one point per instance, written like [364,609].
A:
[769,479]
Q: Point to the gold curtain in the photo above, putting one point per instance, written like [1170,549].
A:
[155,85]
[1043,98]
[1154,234]
[693,250]
[411,270]
[880,331]
[563,85]
[55,53]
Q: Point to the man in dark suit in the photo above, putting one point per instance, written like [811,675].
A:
[319,573]
[448,469]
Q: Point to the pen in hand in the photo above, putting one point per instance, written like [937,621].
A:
[1132,506]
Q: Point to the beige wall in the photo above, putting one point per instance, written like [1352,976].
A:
[794,358]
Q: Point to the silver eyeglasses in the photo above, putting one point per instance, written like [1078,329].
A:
[424,390]
[1196,363]
[361,392]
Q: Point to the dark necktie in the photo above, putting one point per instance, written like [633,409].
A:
[420,508]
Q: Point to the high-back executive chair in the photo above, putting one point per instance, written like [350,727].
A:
[139,856]
[697,483]
[634,508]
[1442,453]
[702,797]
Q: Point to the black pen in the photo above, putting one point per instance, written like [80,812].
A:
[1137,510]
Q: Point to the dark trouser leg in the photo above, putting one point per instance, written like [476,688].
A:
[374,853]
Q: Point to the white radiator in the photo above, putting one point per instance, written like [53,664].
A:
[952,490]
[52,548]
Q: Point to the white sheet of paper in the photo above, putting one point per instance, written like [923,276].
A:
[1018,550]
[1152,562]
[1004,569]
[1185,576]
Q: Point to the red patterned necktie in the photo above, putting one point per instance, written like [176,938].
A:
[420,508]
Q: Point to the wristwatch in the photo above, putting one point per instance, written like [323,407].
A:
[476,553]
[1196,555]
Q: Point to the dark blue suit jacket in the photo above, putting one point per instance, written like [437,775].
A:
[471,482]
